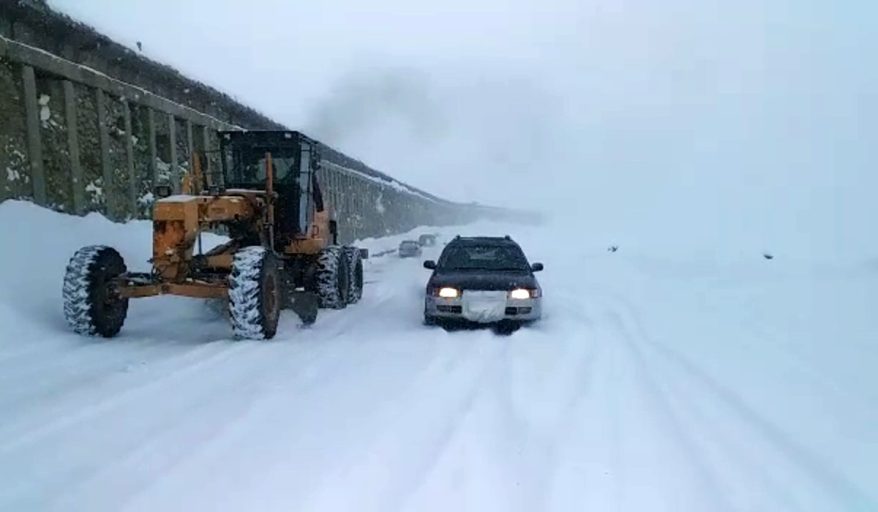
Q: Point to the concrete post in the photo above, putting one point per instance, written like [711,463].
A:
[150,128]
[189,146]
[211,176]
[133,186]
[333,189]
[349,203]
[76,183]
[172,135]
[358,207]
[205,136]
[333,183]
[352,189]
[34,142]
[106,166]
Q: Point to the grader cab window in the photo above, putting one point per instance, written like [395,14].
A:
[294,162]
[246,167]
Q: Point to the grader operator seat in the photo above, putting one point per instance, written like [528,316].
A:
[293,163]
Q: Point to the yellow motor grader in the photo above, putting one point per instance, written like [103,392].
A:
[282,250]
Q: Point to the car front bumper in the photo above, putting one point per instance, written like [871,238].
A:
[514,310]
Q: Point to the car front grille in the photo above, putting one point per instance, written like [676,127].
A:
[450,309]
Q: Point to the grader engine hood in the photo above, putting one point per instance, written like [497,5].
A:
[178,219]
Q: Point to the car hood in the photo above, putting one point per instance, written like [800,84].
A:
[484,280]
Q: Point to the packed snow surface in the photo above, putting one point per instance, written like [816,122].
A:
[656,381]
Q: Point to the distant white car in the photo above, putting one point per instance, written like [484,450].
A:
[427,240]
[409,249]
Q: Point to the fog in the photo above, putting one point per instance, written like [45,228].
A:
[718,126]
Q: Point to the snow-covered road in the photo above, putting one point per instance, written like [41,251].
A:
[653,383]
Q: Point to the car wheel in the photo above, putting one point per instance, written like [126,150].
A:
[507,328]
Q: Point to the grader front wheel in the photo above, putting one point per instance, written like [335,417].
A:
[92,305]
[254,294]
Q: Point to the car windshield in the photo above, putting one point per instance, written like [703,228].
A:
[409,245]
[483,257]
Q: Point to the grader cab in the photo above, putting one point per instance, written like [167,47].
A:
[282,249]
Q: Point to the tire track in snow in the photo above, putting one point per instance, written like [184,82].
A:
[600,444]
[848,495]
[220,423]
[459,428]
[760,339]
[298,441]
[392,472]
[585,446]
[53,381]
[17,436]
[704,475]
[541,436]
[453,424]
[507,448]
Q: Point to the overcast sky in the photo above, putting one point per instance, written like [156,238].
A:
[717,120]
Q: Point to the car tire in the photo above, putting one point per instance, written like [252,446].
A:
[507,328]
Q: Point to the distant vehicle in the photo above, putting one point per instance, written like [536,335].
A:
[482,281]
[409,249]
[427,240]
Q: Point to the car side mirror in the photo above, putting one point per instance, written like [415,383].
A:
[430,265]
[536,267]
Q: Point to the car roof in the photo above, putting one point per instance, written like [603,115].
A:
[483,240]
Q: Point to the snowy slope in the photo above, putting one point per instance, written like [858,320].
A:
[655,382]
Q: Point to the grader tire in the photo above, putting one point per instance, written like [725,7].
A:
[254,294]
[92,306]
[355,272]
[332,278]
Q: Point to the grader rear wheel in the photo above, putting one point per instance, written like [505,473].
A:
[355,273]
[332,278]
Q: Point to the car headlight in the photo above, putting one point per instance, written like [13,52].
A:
[522,293]
[448,292]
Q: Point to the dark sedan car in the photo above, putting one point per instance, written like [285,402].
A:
[482,280]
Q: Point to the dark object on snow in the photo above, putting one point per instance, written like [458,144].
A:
[139,46]
[768,256]
[613,248]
